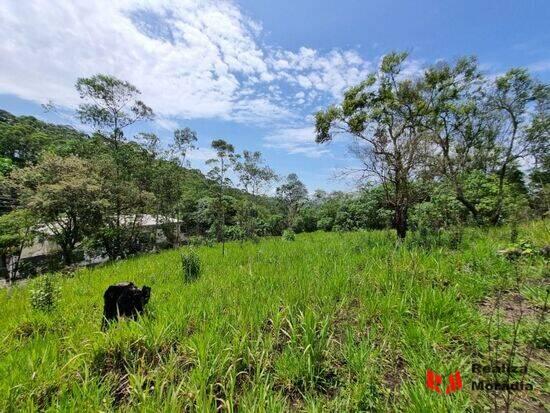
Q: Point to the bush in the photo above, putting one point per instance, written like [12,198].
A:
[199,240]
[289,235]
[45,295]
[191,265]
[436,238]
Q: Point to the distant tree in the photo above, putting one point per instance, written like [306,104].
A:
[112,105]
[383,114]
[151,143]
[184,142]
[292,194]
[64,195]
[220,166]
[16,232]
[253,174]
[515,98]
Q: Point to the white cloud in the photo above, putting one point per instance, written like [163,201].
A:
[332,72]
[190,58]
[300,140]
[190,68]
[202,154]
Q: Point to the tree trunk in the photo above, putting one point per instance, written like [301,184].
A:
[4,271]
[67,253]
[400,222]
[469,206]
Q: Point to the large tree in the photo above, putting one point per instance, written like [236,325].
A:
[110,105]
[482,126]
[520,104]
[459,125]
[254,175]
[64,194]
[383,115]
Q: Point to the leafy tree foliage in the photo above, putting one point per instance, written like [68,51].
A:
[64,194]
[16,232]
[383,114]
[292,194]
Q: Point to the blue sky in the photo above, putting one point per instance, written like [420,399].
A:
[251,71]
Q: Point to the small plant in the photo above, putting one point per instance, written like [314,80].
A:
[289,235]
[191,265]
[45,295]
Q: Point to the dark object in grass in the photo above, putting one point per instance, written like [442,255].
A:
[124,300]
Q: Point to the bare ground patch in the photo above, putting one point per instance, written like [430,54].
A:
[511,306]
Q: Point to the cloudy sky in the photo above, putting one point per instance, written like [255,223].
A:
[251,71]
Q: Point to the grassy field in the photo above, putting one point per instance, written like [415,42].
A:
[328,322]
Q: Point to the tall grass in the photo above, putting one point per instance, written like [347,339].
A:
[331,321]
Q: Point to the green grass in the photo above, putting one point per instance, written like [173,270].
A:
[329,322]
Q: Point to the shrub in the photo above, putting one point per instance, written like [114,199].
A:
[191,265]
[429,238]
[45,295]
[289,235]
[199,240]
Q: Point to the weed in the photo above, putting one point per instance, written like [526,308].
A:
[289,235]
[329,322]
[191,265]
[45,294]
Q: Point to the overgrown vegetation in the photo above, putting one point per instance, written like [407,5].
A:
[343,321]
[45,294]
[191,265]
[443,149]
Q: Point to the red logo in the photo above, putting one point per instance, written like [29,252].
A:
[433,381]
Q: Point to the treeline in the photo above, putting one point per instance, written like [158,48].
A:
[449,137]
[446,148]
[88,193]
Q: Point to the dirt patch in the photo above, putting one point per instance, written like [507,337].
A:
[394,376]
[345,317]
[511,305]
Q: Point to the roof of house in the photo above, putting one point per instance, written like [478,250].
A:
[142,220]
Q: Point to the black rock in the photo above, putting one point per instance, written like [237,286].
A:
[124,300]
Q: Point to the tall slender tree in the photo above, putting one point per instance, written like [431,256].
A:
[221,165]
[184,142]
[110,105]
[253,174]
[292,193]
